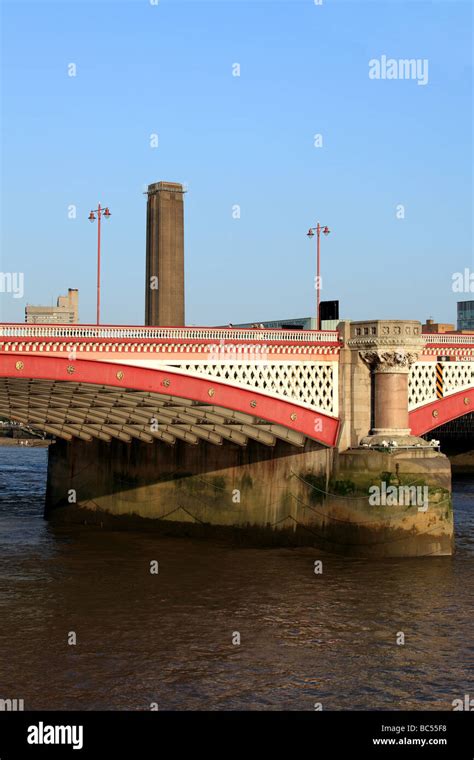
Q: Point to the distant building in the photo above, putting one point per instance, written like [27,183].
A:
[466,315]
[437,327]
[65,312]
[299,323]
[329,312]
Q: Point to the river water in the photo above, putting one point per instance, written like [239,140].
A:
[167,638]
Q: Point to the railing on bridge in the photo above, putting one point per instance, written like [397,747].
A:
[166,333]
[134,332]
[456,339]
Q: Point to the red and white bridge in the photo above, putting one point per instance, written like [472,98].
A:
[212,384]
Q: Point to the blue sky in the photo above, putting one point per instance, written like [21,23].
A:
[166,69]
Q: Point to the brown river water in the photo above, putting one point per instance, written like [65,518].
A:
[167,638]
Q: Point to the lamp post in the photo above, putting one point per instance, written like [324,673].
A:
[99,211]
[325,230]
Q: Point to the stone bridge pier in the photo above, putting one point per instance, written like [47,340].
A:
[376,449]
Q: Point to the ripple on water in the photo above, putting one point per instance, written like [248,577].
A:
[168,638]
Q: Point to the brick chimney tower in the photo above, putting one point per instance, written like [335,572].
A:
[164,287]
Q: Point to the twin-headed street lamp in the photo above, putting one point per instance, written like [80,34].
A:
[325,230]
[106,213]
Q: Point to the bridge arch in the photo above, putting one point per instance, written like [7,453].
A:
[61,396]
[430,416]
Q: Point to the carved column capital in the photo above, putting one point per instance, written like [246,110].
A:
[387,345]
[398,359]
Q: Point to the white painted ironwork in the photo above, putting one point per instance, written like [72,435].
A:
[457,377]
[310,384]
[421,384]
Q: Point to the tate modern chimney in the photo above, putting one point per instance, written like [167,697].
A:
[164,287]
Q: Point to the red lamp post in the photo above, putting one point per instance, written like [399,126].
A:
[99,211]
[325,230]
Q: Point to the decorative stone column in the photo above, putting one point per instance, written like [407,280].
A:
[389,348]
